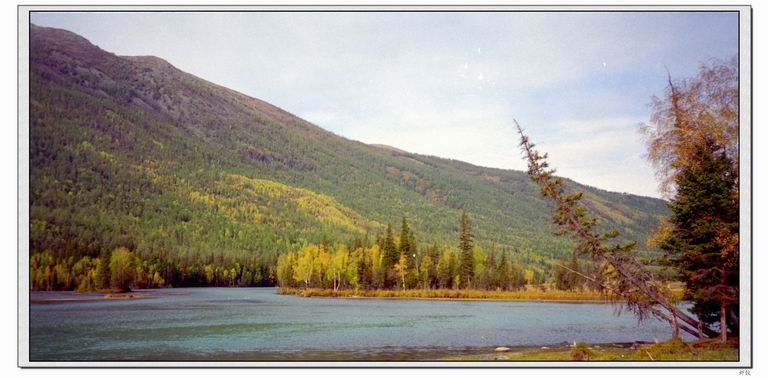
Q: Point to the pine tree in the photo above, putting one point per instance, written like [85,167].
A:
[102,271]
[573,279]
[502,272]
[405,235]
[390,255]
[389,248]
[467,267]
[704,242]
[490,269]
[408,247]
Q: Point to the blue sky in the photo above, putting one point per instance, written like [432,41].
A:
[445,84]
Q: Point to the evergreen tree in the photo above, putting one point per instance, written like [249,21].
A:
[467,267]
[390,256]
[389,249]
[502,273]
[565,276]
[490,269]
[408,248]
[102,270]
[574,279]
[704,242]
[405,237]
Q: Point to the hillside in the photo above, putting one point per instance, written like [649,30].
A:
[130,151]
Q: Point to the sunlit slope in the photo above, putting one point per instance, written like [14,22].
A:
[132,151]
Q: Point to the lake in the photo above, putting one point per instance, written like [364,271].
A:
[255,324]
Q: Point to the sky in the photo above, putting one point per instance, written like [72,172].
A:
[445,84]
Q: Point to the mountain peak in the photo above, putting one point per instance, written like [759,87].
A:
[150,60]
[52,41]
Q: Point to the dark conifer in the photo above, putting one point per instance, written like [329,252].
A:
[466,268]
[703,244]
[389,249]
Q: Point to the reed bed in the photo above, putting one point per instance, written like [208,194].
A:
[449,294]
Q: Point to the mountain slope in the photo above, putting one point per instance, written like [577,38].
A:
[130,151]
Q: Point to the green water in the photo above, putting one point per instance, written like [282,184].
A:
[255,324]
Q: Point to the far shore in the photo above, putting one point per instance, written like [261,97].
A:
[88,296]
[531,295]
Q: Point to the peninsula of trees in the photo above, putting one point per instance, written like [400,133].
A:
[395,262]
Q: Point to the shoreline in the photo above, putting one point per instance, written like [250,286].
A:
[552,296]
[84,297]
[465,299]
[529,295]
[666,351]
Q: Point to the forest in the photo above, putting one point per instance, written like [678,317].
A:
[390,261]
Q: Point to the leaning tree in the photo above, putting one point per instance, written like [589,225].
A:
[629,279]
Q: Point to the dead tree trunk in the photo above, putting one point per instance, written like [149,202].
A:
[675,327]
[723,324]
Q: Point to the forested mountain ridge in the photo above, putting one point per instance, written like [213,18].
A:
[132,152]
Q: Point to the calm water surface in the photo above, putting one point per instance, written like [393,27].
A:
[257,324]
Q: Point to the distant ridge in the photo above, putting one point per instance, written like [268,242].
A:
[389,148]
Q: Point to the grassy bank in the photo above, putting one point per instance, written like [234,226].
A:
[672,350]
[446,294]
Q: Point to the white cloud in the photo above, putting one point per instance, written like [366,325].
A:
[605,153]
[598,125]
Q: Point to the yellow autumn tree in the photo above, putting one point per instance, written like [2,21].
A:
[693,112]
[401,268]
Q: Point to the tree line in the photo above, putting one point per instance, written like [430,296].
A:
[397,262]
[123,269]
[389,262]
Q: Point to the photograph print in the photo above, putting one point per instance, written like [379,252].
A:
[385,186]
